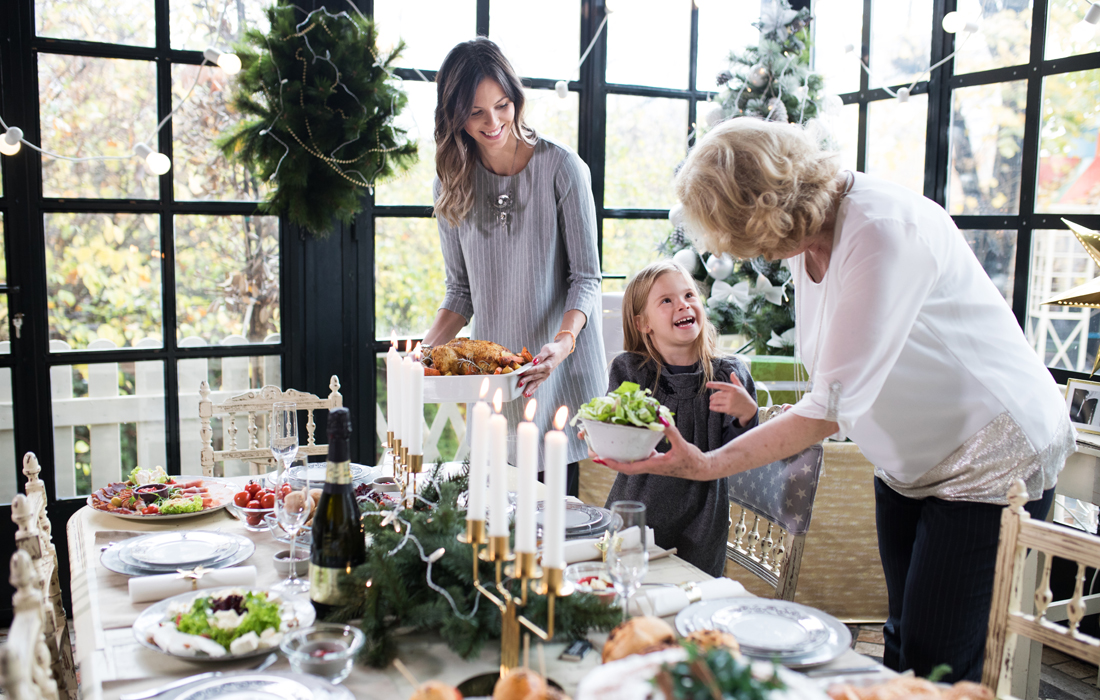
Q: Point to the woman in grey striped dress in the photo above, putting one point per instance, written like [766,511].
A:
[517,225]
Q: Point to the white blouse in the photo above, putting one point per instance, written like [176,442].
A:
[918,349]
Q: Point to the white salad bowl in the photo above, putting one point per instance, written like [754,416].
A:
[622,443]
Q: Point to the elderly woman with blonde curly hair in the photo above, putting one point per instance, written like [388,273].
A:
[912,353]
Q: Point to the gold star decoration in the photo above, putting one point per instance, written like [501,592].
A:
[1088,294]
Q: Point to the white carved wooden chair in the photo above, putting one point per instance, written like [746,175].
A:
[775,502]
[25,661]
[258,404]
[34,538]
[1007,617]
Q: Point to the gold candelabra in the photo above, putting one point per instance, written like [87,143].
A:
[405,468]
[542,581]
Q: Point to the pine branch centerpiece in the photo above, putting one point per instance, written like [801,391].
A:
[417,576]
[319,102]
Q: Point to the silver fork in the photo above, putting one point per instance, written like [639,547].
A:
[143,695]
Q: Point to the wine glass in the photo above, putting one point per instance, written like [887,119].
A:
[292,509]
[284,433]
[627,554]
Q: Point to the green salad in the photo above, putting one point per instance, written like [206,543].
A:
[181,504]
[627,405]
[229,616]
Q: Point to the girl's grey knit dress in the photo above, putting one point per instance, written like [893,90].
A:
[693,516]
[517,282]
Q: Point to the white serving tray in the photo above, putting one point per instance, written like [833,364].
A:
[467,389]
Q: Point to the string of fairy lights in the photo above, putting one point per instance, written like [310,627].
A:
[159,164]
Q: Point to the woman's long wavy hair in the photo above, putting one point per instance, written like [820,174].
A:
[634,307]
[456,152]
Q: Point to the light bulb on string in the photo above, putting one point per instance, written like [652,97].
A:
[903,94]
[158,163]
[229,62]
[9,142]
[1092,16]
[953,23]
[562,89]
[1083,31]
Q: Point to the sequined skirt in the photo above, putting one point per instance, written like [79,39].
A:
[983,467]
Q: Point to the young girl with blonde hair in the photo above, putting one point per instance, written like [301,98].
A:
[671,349]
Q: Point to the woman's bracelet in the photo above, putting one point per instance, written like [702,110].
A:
[571,335]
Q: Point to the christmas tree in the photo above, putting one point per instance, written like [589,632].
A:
[770,81]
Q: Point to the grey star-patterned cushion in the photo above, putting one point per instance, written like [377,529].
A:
[782,491]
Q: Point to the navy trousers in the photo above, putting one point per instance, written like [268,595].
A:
[939,558]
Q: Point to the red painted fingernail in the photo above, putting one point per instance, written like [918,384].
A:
[536,361]
[597,460]
[528,394]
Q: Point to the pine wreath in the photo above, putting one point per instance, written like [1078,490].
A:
[319,106]
[392,588]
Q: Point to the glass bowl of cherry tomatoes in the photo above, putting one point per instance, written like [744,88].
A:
[251,504]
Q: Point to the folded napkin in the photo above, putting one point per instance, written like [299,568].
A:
[669,600]
[144,589]
[587,549]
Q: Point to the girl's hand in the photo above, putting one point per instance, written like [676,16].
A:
[684,460]
[548,359]
[732,399]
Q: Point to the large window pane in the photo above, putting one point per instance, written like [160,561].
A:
[844,128]
[996,251]
[430,28]
[629,245]
[1069,172]
[639,55]
[834,29]
[723,28]
[1003,37]
[199,170]
[108,418]
[197,24]
[552,116]
[103,280]
[1064,336]
[901,35]
[117,22]
[895,141]
[227,377]
[409,276]
[987,140]
[646,140]
[3,253]
[414,186]
[550,52]
[227,279]
[96,107]
[9,465]
[1066,35]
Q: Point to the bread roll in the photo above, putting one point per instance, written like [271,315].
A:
[638,635]
[714,639]
[434,690]
[520,684]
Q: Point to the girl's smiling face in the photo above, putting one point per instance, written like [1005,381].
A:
[491,116]
[673,313]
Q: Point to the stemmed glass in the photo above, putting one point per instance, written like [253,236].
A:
[284,433]
[292,505]
[627,555]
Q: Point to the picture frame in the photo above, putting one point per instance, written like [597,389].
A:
[1083,404]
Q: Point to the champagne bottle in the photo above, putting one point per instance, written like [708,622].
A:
[338,540]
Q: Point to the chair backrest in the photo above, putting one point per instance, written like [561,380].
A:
[25,660]
[776,502]
[1007,616]
[33,537]
[257,404]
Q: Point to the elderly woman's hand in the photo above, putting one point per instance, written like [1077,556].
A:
[684,460]
[548,359]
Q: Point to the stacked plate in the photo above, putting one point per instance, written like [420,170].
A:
[580,520]
[260,685]
[315,472]
[165,552]
[794,635]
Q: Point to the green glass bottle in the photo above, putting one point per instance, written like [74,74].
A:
[338,541]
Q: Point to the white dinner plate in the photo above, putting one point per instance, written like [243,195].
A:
[297,611]
[113,561]
[276,685]
[220,489]
[179,549]
[795,635]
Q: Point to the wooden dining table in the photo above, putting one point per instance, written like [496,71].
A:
[111,661]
